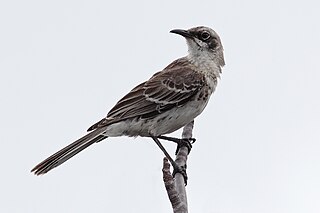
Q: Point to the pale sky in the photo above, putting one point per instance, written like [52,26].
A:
[64,64]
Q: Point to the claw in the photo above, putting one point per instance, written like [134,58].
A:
[182,170]
[187,142]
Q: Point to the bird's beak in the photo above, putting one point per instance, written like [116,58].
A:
[184,33]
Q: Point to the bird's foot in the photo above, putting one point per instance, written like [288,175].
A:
[180,169]
[185,142]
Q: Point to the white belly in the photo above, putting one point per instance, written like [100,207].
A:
[162,124]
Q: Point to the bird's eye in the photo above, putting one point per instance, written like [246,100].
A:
[205,35]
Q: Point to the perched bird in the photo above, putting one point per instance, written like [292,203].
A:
[169,100]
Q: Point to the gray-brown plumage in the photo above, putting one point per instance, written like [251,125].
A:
[166,102]
[165,90]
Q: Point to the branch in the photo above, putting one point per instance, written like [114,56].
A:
[176,186]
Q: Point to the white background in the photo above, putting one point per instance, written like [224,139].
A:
[64,64]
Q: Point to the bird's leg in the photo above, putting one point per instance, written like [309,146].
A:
[187,142]
[176,167]
[164,150]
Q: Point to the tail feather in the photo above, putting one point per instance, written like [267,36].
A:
[69,151]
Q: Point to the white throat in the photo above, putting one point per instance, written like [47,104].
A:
[205,61]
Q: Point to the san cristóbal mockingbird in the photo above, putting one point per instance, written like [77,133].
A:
[169,100]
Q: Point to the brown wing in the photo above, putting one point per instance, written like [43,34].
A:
[167,89]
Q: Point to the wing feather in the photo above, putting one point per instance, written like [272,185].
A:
[172,87]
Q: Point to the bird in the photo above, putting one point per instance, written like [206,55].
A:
[166,102]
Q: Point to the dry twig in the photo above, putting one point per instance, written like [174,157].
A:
[176,186]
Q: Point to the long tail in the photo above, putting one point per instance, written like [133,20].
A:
[69,151]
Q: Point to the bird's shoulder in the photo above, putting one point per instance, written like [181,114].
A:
[178,73]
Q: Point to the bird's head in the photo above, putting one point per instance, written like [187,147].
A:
[203,41]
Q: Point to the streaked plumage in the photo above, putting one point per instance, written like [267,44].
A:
[169,100]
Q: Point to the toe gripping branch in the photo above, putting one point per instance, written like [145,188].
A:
[184,142]
[182,170]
